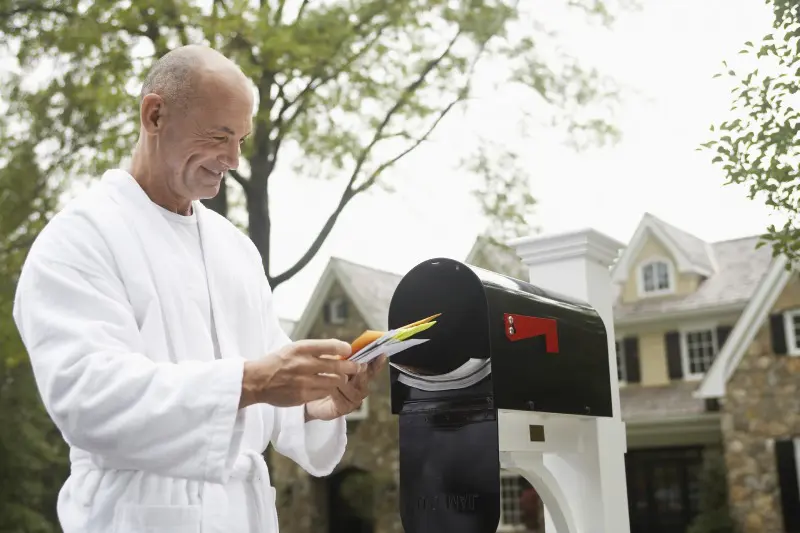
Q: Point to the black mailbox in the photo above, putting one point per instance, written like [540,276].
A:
[499,344]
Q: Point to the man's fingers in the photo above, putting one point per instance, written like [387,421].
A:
[329,366]
[321,347]
[350,393]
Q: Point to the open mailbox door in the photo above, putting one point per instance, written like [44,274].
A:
[500,344]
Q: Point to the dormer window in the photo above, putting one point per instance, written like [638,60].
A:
[336,311]
[655,277]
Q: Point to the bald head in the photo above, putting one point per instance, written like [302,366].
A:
[177,75]
[195,112]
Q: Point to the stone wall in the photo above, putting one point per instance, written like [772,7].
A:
[302,501]
[762,404]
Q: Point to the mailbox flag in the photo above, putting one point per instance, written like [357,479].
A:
[519,327]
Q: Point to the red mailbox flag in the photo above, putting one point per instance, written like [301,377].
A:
[519,327]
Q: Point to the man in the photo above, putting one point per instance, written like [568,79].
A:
[152,334]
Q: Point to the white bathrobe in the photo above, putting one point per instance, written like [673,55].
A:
[143,391]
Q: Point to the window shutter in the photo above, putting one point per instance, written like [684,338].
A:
[722,335]
[786,455]
[778,332]
[672,341]
[630,350]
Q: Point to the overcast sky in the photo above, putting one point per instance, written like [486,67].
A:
[666,53]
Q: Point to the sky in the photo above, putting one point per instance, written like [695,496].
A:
[665,54]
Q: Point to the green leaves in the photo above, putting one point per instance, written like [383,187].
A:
[349,87]
[758,147]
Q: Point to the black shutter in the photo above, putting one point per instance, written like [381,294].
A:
[785,459]
[630,350]
[672,341]
[778,332]
[722,335]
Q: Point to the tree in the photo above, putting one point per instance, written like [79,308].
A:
[758,145]
[345,88]
[33,457]
[714,513]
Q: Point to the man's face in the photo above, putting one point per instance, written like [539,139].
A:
[198,146]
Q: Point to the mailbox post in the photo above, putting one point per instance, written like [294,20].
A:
[516,376]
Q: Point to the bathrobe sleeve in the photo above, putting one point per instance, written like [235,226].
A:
[106,397]
[316,446]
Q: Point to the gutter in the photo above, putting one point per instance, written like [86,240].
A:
[656,316]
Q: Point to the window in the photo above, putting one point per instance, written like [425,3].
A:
[621,374]
[655,277]
[699,350]
[792,327]
[516,498]
[336,311]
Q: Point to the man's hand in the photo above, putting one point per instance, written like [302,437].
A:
[299,373]
[348,396]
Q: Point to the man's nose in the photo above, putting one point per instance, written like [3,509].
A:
[231,158]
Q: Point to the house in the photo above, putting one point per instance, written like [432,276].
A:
[708,339]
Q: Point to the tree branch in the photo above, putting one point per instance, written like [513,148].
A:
[241,180]
[318,79]
[300,11]
[349,191]
[279,13]
[33,7]
[386,164]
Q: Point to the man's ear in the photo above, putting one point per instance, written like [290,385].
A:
[152,113]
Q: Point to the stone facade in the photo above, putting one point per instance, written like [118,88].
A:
[762,404]
[304,503]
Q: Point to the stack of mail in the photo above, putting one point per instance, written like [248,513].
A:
[394,341]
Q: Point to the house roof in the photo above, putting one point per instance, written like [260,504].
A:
[647,402]
[369,289]
[740,267]
[691,254]
[497,258]
[740,275]
[745,330]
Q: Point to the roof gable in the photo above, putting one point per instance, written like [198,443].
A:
[741,267]
[369,289]
[691,254]
[490,255]
[745,330]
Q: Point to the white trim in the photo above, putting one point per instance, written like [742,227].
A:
[684,314]
[796,442]
[315,302]
[651,226]
[792,349]
[697,328]
[649,262]
[745,330]
[584,243]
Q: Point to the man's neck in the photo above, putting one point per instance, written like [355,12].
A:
[153,184]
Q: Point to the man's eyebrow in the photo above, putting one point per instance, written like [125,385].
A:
[229,131]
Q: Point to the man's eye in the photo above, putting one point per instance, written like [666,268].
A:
[221,139]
